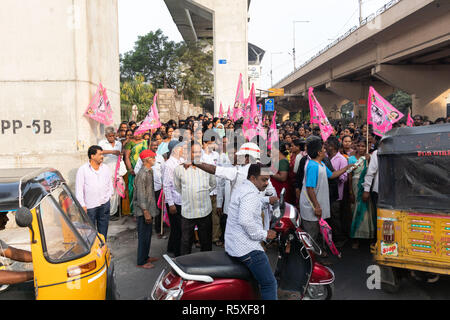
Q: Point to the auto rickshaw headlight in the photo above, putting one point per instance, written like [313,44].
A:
[84,268]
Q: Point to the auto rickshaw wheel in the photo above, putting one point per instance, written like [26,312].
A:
[390,279]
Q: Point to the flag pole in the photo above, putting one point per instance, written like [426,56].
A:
[162,212]
[367,137]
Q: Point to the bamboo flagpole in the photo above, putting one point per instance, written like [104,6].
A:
[367,137]
[162,212]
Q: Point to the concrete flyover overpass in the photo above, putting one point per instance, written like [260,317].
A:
[406,46]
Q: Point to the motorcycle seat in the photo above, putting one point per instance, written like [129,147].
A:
[216,264]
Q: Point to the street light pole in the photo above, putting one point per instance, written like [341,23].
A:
[293,49]
[271,66]
[360,12]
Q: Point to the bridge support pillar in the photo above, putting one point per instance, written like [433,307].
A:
[428,85]
[331,103]
[230,19]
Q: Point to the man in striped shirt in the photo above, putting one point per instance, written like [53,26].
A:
[194,185]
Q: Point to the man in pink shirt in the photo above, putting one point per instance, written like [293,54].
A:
[339,162]
[94,189]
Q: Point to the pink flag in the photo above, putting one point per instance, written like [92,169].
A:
[273,132]
[410,121]
[380,113]
[250,125]
[239,101]
[163,208]
[318,116]
[151,121]
[221,111]
[119,184]
[327,236]
[99,109]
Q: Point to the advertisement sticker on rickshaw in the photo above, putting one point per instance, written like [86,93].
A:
[389,249]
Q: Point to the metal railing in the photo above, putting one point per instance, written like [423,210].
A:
[364,22]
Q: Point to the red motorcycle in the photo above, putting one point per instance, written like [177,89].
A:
[215,275]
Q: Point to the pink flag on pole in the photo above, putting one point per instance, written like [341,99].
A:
[163,208]
[99,109]
[151,121]
[410,121]
[221,111]
[380,113]
[119,184]
[318,116]
[252,120]
[239,101]
[273,132]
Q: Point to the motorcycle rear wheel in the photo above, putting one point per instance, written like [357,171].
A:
[319,292]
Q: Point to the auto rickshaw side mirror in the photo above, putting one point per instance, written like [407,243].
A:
[24,219]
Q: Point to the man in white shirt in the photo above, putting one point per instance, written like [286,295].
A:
[111,152]
[195,186]
[370,184]
[238,173]
[173,197]
[223,189]
[212,157]
[245,230]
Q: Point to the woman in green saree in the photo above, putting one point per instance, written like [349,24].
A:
[131,155]
[363,226]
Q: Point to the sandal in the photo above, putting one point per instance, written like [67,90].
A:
[218,244]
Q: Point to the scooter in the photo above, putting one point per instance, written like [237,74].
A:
[215,275]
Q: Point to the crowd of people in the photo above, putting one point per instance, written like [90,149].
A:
[197,178]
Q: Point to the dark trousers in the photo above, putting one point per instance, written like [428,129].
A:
[223,225]
[204,233]
[174,243]
[144,231]
[157,219]
[337,221]
[100,217]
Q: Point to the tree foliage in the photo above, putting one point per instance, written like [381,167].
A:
[153,57]
[195,77]
[400,100]
[136,92]
[185,67]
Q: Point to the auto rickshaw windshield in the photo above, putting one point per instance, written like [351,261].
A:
[414,169]
[67,232]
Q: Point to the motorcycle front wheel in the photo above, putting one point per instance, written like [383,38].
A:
[319,292]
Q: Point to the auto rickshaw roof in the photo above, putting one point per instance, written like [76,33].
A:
[35,183]
[416,139]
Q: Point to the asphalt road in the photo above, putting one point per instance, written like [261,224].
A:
[350,271]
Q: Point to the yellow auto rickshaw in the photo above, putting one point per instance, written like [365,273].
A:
[413,218]
[70,259]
